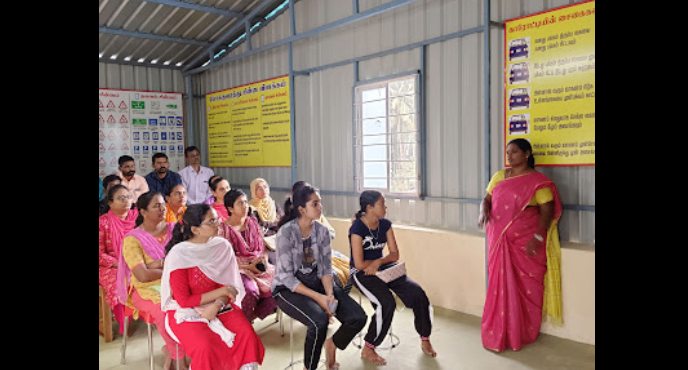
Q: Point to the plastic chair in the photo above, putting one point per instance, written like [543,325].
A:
[173,336]
[129,312]
[104,316]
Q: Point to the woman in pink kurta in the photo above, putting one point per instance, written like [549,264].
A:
[245,235]
[112,226]
[520,211]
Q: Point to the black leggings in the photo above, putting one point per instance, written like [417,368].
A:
[309,313]
[378,292]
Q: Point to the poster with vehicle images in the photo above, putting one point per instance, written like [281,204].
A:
[549,84]
[139,124]
[250,125]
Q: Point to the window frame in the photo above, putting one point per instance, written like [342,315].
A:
[359,160]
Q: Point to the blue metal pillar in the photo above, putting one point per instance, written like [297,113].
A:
[189,116]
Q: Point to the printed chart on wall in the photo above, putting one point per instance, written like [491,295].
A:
[549,80]
[139,124]
[249,125]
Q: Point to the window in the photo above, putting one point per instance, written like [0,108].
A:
[387,141]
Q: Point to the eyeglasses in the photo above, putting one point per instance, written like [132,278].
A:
[211,222]
[122,198]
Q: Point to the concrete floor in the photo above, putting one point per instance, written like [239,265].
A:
[455,337]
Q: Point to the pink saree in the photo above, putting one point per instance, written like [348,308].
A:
[514,300]
[258,301]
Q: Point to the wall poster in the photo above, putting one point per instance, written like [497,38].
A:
[549,84]
[250,125]
[139,124]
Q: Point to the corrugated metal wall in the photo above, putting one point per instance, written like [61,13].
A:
[455,106]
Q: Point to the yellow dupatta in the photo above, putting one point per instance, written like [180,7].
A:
[552,304]
[266,206]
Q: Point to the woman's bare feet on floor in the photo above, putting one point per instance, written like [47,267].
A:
[370,355]
[427,348]
[330,353]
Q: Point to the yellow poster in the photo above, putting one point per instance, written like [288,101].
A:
[249,125]
[549,84]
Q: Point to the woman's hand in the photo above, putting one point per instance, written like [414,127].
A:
[324,302]
[373,267]
[484,218]
[157,264]
[208,312]
[232,293]
[533,247]
[252,265]
[485,207]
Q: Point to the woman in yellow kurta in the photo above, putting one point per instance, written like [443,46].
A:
[141,264]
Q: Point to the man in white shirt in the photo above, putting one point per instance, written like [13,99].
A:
[195,177]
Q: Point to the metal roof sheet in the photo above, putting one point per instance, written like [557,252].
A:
[172,33]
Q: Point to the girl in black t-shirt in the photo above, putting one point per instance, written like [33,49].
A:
[368,236]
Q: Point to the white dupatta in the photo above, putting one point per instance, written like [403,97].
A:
[214,258]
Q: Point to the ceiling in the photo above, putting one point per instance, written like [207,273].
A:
[177,34]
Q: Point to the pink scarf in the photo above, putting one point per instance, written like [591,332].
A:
[249,249]
[150,246]
[119,227]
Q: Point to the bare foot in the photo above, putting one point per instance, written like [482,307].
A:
[427,348]
[330,353]
[370,355]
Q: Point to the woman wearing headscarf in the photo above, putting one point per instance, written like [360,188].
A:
[201,294]
[264,208]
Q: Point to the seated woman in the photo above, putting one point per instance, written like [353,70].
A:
[303,284]
[175,196]
[322,218]
[211,200]
[368,236]
[112,226]
[201,290]
[264,208]
[140,267]
[220,187]
[244,234]
[108,182]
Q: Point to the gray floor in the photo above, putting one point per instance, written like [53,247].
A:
[456,338]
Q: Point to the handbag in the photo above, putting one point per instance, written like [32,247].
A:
[390,274]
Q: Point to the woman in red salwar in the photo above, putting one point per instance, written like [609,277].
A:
[201,293]
[520,211]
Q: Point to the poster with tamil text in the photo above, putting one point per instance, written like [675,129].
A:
[250,126]
[549,84]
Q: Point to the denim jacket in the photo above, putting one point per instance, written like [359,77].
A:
[290,253]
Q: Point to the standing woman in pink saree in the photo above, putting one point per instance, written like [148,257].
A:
[520,213]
